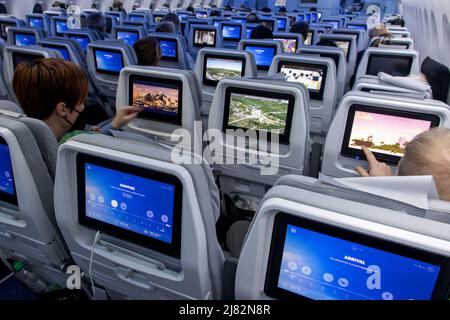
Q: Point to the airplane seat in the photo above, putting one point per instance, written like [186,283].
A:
[290,41]
[399,86]
[338,57]
[348,44]
[193,21]
[263,51]
[58,26]
[361,37]
[39,21]
[232,33]
[25,36]
[201,36]
[10,106]
[395,43]
[246,163]
[318,75]
[28,229]
[83,37]
[383,123]
[168,251]
[396,62]
[13,55]
[215,64]
[128,34]
[105,60]
[180,114]
[305,226]
[174,53]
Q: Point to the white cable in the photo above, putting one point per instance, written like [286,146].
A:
[96,238]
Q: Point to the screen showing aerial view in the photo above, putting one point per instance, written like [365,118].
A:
[204,38]
[258,113]
[217,69]
[310,77]
[383,133]
[156,98]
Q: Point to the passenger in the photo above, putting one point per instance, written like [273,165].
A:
[266,10]
[96,21]
[261,32]
[166,27]
[54,91]
[398,22]
[438,77]
[172,17]
[302,28]
[148,52]
[327,43]
[426,154]
[282,11]
[117,6]
[214,13]
[191,9]
[252,18]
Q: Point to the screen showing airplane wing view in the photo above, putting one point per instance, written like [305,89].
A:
[384,133]
[322,267]
[204,38]
[219,68]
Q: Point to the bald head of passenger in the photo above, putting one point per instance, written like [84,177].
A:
[429,154]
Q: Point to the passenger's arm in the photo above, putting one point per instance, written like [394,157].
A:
[376,168]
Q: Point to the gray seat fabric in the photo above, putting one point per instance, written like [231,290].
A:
[10,106]
[39,147]
[205,188]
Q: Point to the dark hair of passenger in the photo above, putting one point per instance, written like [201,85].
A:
[37,9]
[266,9]
[214,13]
[282,9]
[302,28]
[327,43]
[398,22]
[438,76]
[313,9]
[148,51]
[190,9]
[40,85]
[172,17]
[261,32]
[227,8]
[96,21]
[252,18]
[166,27]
